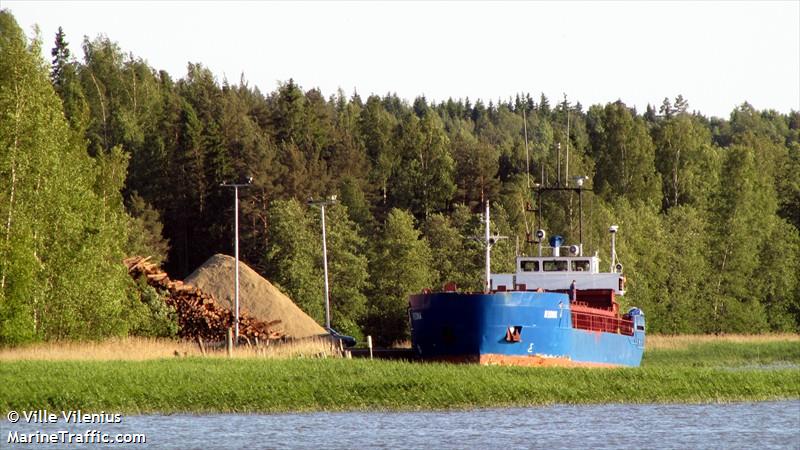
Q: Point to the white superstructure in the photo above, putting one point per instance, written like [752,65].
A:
[556,272]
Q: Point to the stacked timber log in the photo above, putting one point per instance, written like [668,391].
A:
[199,314]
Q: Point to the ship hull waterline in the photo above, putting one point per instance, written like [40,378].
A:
[475,327]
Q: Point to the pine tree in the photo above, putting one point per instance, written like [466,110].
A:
[666,109]
[681,105]
[376,126]
[348,157]
[476,166]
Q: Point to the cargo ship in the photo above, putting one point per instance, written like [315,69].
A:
[557,308]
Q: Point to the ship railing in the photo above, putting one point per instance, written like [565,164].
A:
[598,322]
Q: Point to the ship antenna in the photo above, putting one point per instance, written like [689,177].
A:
[527,155]
[566,169]
[558,164]
[527,175]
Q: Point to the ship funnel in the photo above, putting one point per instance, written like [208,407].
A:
[555,243]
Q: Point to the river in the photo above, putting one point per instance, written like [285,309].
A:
[761,425]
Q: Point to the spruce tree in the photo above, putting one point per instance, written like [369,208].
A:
[66,82]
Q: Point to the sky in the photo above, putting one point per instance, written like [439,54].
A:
[716,54]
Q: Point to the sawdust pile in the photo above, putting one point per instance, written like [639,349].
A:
[257,296]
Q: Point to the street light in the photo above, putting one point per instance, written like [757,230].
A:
[236,187]
[321,204]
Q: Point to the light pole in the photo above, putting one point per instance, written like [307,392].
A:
[321,204]
[236,187]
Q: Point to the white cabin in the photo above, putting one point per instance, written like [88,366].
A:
[554,272]
[557,273]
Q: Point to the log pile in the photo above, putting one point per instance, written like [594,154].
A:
[199,314]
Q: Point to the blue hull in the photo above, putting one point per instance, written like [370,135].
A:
[458,326]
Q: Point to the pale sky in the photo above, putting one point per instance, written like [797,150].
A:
[716,54]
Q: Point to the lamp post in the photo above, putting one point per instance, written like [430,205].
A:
[236,187]
[321,204]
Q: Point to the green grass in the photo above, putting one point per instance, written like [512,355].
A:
[254,385]
[726,354]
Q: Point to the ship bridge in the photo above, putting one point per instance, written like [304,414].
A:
[557,273]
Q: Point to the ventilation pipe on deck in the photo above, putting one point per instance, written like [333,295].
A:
[613,230]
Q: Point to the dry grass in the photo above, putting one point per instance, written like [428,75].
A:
[682,341]
[665,342]
[300,348]
[402,344]
[140,349]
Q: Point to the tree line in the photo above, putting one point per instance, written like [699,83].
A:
[107,156]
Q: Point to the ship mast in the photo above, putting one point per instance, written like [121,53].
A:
[540,190]
[490,240]
[487,285]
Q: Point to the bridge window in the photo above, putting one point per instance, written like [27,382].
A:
[580,266]
[530,266]
[555,266]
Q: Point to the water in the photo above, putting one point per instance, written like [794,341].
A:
[760,425]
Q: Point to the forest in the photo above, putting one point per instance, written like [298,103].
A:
[103,157]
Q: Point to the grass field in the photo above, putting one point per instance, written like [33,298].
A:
[140,349]
[699,370]
[727,351]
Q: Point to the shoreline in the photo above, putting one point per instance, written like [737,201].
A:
[700,373]
[249,386]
